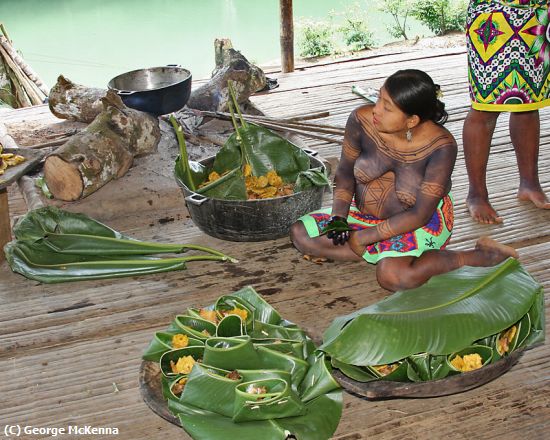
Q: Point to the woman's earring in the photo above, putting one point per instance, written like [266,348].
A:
[409,135]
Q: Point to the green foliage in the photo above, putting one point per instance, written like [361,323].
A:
[316,38]
[355,29]
[441,16]
[399,10]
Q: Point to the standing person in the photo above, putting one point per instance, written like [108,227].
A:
[392,189]
[508,70]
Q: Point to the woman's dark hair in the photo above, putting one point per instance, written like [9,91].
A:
[415,93]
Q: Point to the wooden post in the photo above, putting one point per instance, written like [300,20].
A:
[287,36]
[5,230]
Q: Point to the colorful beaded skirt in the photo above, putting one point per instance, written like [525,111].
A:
[433,235]
[508,45]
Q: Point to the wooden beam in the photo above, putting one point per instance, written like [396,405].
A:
[287,36]
[5,230]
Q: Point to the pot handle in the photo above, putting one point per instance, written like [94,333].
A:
[196,199]
[173,65]
[311,153]
[125,92]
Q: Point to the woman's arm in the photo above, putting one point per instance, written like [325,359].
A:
[344,179]
[436,177]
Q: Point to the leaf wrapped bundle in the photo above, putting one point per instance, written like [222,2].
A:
[245,384]
[252,151]
[53,246]
[411,335]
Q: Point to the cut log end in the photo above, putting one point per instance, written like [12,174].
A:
[63,179]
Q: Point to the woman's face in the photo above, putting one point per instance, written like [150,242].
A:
[386,116]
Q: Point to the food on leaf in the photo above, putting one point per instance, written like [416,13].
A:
[239,312]
[468,362]
[180,341]
[234,375]
[384,370]
[209,315]
[184,365]
[178,387]
[254,389]
[505,339]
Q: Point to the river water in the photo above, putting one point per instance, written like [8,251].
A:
[91,41]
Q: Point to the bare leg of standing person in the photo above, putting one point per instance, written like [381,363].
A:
[476,136]
[525,135]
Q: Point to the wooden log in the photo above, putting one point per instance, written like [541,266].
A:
[245,77]
[103,151]
[287,36]
[68,100]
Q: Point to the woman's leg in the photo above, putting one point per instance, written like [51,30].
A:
[320,246]
[476,137]
[525,135]
[410,272]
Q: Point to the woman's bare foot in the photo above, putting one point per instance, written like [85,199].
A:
[491,252]
[536,196]
[482,212]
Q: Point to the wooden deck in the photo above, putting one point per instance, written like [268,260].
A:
[70,354]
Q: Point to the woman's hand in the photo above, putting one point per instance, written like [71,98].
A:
[338,237]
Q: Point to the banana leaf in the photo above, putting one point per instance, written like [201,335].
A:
[311,178]
[230,325]
[197,328]
[277,402]
[300,398]
[441,317]
[161,343]
[196,352]
[485,352]
[424,366]
[53,246]
[205,382]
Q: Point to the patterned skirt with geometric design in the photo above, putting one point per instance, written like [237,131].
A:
[434,235]
[508,45]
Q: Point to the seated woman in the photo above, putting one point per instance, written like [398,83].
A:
[392,188]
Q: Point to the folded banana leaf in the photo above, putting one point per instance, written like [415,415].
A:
[496,309]
[242,387]
[53,246]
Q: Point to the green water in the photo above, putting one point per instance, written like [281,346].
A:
[91,41]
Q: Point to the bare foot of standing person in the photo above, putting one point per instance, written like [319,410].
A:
[481,210]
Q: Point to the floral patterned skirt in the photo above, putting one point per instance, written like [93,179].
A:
[508,54]
[434,235]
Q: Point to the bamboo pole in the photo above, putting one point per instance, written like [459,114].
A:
[287,36]
[31,74]
[30,88]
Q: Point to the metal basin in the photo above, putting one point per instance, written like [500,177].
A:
[157,90]
[252,220]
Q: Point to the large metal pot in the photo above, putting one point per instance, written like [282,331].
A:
[157,90]
[252,220]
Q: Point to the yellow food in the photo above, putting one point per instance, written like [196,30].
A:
[239,312]
[503,344]
[468,362]
[184,365]
[265,187]
[384,370]
[9,160]
[180,341]
[209,315]
[212,177]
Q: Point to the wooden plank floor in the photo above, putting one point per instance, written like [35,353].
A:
[70,354]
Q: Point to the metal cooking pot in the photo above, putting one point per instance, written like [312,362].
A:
[157,90]
[252,220]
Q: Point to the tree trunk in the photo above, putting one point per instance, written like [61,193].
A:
[74,102]
[103,151]
[287,36]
